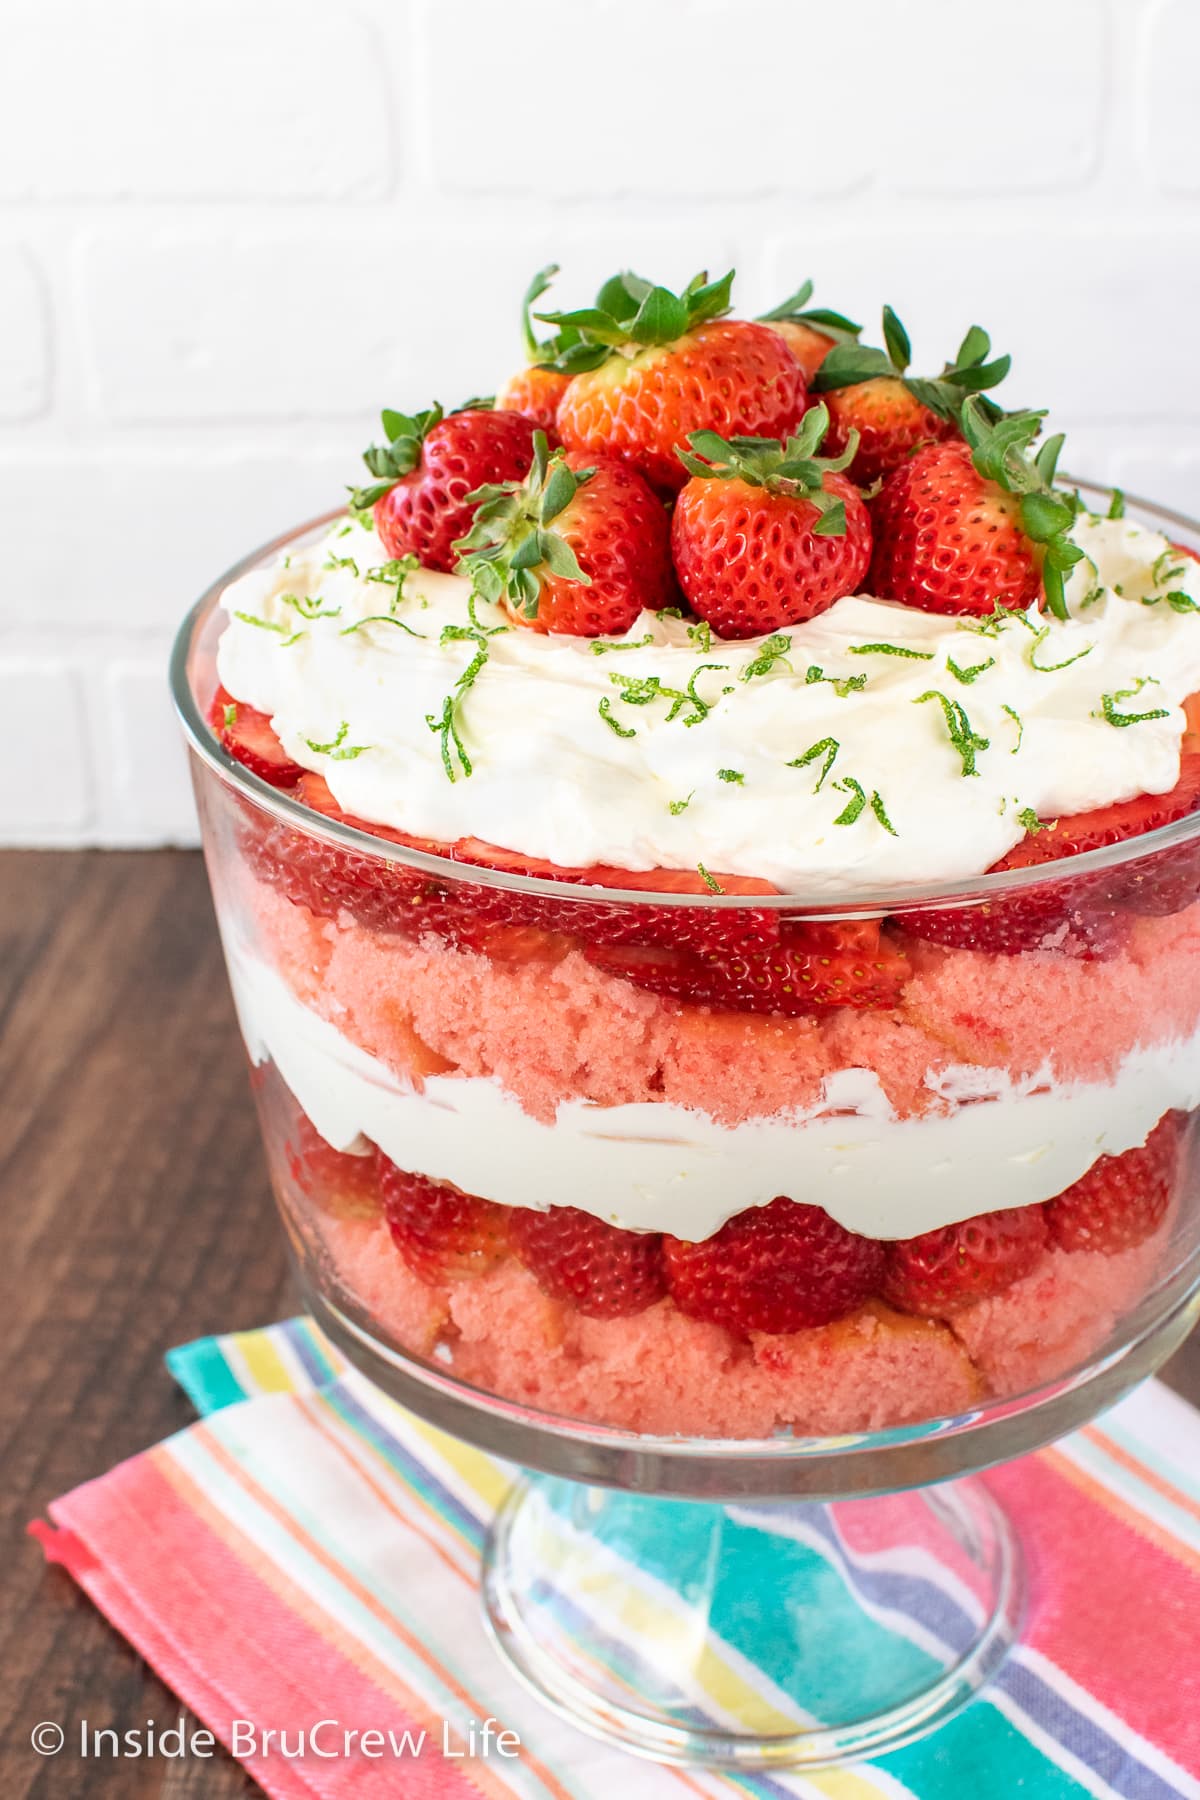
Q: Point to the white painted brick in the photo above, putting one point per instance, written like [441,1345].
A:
[198,99]
[311,323]
[148,533]
[153,794]
[698,99]
[1063,302]
[999,99]
[49,791]
[25,335]
[1171,119]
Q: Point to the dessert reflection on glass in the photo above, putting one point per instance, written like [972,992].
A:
[558,1093]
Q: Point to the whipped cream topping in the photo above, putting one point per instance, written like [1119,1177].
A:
[837,758]
[994,1143]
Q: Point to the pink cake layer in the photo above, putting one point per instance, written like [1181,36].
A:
[660,1372]
[557,1028]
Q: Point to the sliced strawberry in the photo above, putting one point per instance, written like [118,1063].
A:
[812,967]
[1164,882]
[328,880]
[1060,919]
[1075,916]
[777,1268]
[942,1271]
[344,1185]
[248,735]
[602,1271]
[441,1233]
[1122,1200]
[389,897]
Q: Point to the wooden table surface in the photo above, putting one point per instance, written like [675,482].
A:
[136,1214]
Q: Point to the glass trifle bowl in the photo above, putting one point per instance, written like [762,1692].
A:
[605,1180]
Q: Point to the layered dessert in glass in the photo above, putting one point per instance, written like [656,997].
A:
[743,1012]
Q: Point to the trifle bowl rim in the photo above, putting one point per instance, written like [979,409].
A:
[859,1463]
[984,889]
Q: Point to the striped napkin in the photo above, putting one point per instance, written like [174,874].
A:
[309,1552]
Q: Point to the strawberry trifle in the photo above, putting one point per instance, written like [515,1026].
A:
[708,1031]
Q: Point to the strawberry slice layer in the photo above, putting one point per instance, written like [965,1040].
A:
[1079,916]
[249,736]
[388,897]
[811,968]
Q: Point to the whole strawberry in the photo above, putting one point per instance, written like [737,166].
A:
[965,527]
[650,367]
[942,1271]
[810,333]
[870,392]
[1122,1200]
[580,547]
[780,1267]
[428,468]
[768,534]
[536,390]
[604,1272]
[440,1232]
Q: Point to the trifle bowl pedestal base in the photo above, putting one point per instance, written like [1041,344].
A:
[760,1636]
[754,1605]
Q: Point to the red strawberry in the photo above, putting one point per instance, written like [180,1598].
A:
[890,421]
[427,469]
[869,391]
[650,367]
[1075,916]
[602,1271]
[810,333]
[535,394]
[811,968]
[1122,1200]
[966,527]
[809,346]
[777,1268]
[942,1271]
[328,879]
[346,1186]
[441,1233]
[1164,882]
[389,897]
[580,547]
[536,390]
[249,736]
[948,541]
[767,534]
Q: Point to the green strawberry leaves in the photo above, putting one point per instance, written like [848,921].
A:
[391,461]
[972,372]
[631,310]
[792,468]
[795,310]
[1001,450]
[510,542]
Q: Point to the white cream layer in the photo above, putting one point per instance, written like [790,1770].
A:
[663,1167]
[553,780]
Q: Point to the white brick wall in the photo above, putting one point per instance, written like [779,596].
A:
[231,229]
